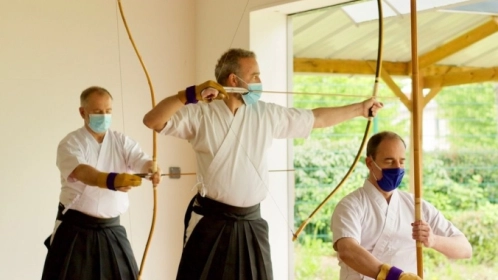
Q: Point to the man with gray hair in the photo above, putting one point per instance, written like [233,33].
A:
[231,131]
[95,163]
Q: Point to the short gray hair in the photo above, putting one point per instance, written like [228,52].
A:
[229,63]
[89,91]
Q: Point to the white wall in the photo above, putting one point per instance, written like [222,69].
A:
[268,35]
[51,50]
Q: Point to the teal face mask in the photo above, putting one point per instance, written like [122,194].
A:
[99,123]
[254,93]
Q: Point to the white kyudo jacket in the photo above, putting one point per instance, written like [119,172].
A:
[384,229]
[231,150]
[117,153]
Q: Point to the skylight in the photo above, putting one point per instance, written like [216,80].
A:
[489,7]
[367,10]
[403,6]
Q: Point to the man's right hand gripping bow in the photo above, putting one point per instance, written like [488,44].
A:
[206,92]
[388,272]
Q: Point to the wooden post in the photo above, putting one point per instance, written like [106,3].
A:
[417,103]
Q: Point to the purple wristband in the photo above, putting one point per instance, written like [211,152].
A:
[190,94]
[110,181]
[394,273]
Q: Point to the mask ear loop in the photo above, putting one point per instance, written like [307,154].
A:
[377,167]
[375,177]
[240,79]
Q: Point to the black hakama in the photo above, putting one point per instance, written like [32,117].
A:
[228,243]
[86,247]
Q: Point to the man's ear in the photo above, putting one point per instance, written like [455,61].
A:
[232,80]
[368,162]
[82,112]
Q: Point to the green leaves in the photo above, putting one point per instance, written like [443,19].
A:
[460,160]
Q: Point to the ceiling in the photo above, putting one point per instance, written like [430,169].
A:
[329,33]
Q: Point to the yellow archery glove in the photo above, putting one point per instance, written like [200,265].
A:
[114,180]
[388,272]
[193,94]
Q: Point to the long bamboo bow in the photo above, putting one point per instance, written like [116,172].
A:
[154,136]
[367,129]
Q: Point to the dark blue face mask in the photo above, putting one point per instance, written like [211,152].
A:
[391,178]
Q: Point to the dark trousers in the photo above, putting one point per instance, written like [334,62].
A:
[228,243]
[86,247]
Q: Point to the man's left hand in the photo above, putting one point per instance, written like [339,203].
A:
[421,231]
[156,176]
[373,105]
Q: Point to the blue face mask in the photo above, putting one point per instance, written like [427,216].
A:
[99,123]
[391,178]
[254,93]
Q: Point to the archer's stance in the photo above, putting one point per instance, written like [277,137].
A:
[225,236]
[88,241]
[373,229]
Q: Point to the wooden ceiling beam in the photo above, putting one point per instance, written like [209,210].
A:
[362,67]
[459,43]
[431,95]
[461,78]
[396,90]
[346,66]
[393,86]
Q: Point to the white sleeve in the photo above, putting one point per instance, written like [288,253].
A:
[290,122]
[439,224]
[135,157]
[70,154]
[183,124]
[346,220]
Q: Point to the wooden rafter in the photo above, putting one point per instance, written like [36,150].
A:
[393,86]
[396,90]
[341,66]
[430,96]
[461,78]
[362,67]
[459,43]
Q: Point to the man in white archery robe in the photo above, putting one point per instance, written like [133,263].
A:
[88,241]
[225,236]
[373,229]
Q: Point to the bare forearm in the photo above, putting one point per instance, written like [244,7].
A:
[325,117]
[362,262]
[85,174]
[456,247]
[158,117]
[359,259]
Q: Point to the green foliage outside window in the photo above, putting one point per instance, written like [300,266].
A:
[460,173]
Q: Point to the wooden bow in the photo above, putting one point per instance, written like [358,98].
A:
[154,136]
[365,135]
